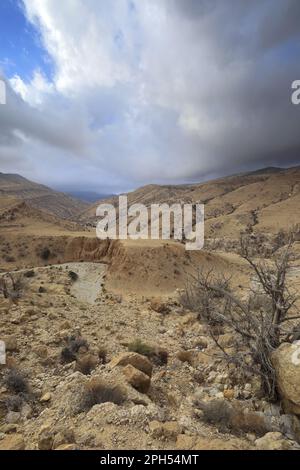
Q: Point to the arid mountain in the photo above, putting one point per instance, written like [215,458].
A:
[39,196]
[266,200]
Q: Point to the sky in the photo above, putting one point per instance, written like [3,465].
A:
[108,95]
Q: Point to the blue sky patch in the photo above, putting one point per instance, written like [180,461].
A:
[21,49]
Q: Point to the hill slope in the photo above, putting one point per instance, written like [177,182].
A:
[39,196]
[266,200]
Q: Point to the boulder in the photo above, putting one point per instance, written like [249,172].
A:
[286,360]
[137,379]
[134,359]
[272,441]
[12,442]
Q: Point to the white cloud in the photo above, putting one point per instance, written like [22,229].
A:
[156,91]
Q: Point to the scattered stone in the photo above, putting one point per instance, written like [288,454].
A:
[228,394]
[46,397]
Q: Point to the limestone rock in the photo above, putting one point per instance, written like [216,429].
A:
[272,441]
[45,398]
[12,442]
[286,360]
[137,378]
[134,359]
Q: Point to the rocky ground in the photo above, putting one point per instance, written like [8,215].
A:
[87,369]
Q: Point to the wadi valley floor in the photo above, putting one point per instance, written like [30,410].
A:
[107,317]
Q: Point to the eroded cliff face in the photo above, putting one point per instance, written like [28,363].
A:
[91,249]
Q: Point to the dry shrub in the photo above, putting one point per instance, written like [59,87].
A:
[73,276]
[96,392]
[261,322]
[250,422]
[16,382]
[14,403]
[73,345]
[159,356]
[138,346]
[45,254]
[218,412]
[86,364]
[227,417]
[102,354]
[29,274]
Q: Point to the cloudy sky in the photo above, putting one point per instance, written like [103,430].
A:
[110,95]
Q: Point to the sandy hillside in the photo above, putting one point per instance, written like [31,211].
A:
[39,196]
[266,200]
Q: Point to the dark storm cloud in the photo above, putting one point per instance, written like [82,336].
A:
[165,91]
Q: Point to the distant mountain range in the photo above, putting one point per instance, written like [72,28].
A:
[267,200]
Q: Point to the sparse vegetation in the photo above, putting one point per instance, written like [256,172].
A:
[97,392]
[156,354]
[45,254]
[86,364]
[73,276]
[102,354]
[226,417]
[16,382]
[140,347]
[218,412]
[73,345]
[29,274]
[14,403]
[260,327]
